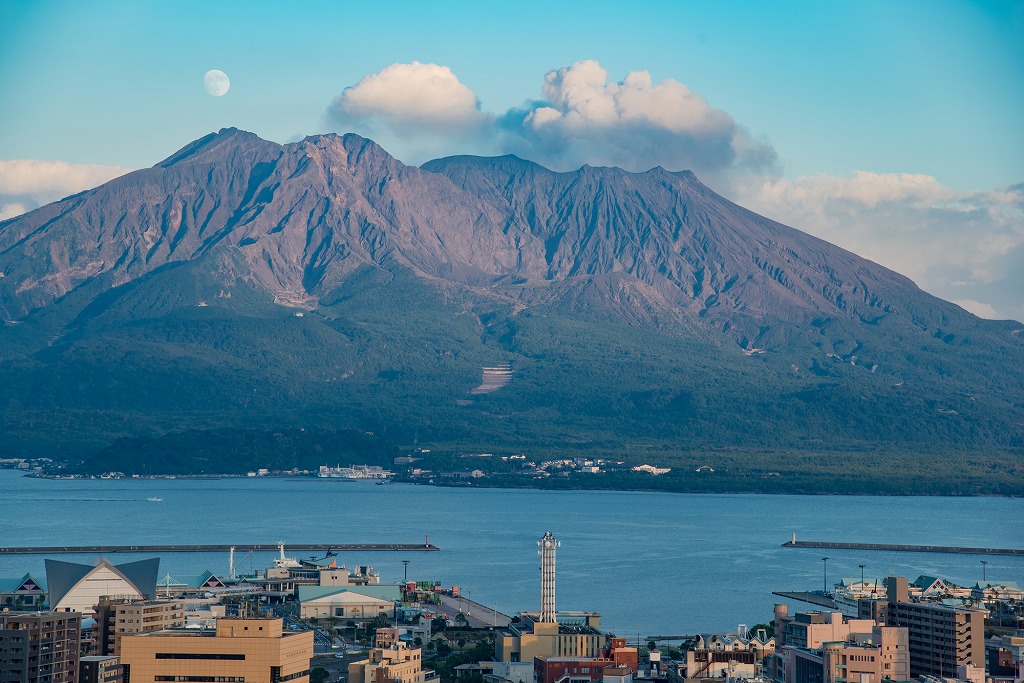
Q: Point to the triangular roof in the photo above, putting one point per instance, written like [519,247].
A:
[61,576]
[23,583]
[378,591]
[349,598]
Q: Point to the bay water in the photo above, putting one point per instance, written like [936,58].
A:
[650,563]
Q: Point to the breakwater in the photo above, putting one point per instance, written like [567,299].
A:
[904,548]
[326,547]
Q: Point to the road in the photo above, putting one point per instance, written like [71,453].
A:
[476,614]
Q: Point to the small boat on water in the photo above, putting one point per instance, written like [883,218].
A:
[154,499]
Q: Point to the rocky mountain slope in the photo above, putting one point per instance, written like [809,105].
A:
[241,282]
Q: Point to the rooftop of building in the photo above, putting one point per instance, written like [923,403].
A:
[22,583]
[560,658]
[378,591]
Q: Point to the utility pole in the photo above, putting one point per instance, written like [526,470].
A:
[824,573]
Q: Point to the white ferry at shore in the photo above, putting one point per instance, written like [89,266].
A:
[355,472]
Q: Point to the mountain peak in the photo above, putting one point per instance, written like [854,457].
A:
[232,139]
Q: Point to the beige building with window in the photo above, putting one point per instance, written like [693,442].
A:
[239,651]
[528,637]
[118,618]
[392,661]
[885,655]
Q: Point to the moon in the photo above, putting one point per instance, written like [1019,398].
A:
[216,82]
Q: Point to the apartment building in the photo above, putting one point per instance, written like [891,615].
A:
[41,647]
[885,655]
[942,637]
[99,669]
[119,617]
[392,661]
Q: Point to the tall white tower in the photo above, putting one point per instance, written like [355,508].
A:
[547,545]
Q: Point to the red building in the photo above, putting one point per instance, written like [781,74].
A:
[582,669]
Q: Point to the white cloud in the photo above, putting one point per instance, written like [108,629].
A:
[584,118]
[26,184]
[967,247]
[635,124]
[410,99]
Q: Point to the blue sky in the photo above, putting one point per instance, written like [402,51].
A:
[925,89]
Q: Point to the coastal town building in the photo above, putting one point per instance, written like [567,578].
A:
[828,647]
[239,651]
[118,617]
[41,647]
[885,655]
[78,588]
[99,669]
[189,585]
[736,655]
[348,602]
[551,634]
[391,661]
[23,592]
[809,630]
[941,637]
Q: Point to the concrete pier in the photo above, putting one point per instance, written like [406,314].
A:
[903,548]
[93,549]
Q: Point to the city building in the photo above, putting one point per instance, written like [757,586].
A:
[549,633]
[116,618]
[809,630]
[78,587]
[991,591]
[827,647]
[23,592]
[618,657]
[348,602]
[942,637]
[281,581]
[41,647]
[239,651]
[571,635]
[391,661]
[1006,658]
[885,655]
[99,669]
[181,584]
[734,655]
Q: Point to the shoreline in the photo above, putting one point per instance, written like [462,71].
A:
[461,484]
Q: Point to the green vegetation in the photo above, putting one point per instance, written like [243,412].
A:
[445,661]
[148,387]
[237,451]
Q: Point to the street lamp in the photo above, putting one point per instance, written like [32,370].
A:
[824,573]
[861,576]
[406,563]
[983,567]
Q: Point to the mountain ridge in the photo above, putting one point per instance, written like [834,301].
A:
[325,280]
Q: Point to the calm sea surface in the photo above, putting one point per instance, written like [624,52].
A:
[650,563]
